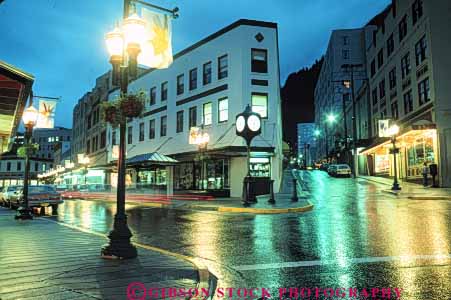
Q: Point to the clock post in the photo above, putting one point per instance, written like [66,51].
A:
[248,126]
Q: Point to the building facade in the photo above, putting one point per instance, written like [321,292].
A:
[48,138]
[409,71]
[306,143]
[207,85]
[334,97]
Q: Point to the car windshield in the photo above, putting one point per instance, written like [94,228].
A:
[41,189]
[13,188]
[343,167]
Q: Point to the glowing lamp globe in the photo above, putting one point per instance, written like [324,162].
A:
[134,30]
[115,42]
[393,130]
[30,116]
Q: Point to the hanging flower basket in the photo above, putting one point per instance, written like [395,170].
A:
[27,150]
[111,113]
[132,105]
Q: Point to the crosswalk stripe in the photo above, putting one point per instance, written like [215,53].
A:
[360,260]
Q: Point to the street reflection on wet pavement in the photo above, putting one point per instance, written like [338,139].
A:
[356,236]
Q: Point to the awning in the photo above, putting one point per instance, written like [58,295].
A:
[410,132]
[151,158]
[15,87]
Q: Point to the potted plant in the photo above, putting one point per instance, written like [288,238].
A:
[132,105]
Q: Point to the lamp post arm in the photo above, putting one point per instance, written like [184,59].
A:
[173,12]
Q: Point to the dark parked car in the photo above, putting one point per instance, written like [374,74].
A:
[38,196]
[324,167]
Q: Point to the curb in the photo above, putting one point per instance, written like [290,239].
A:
[391,192]
[251,210]
[149,204]
[206,279]
[429,197]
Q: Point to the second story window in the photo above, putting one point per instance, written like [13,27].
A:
[345,40]
[392,78]
[164,91]
[223,67]
[417,11]
[374,96]
[8,166]
[420,50]
[207,113]
[180,84]
[259,102]
[179,125]
[424,91]
[151,129]
[103,139]
[153,95]
[206,73]
[390,45]
[130,135]
[141,132]
[345,54]
[193,79]
[113,138]
[405,65]
[163,125]
[402,28]
[382,88]
[223,110]
[408,102]
[193,116]
[380,58]
[19,166]
[259,62]
[373,68]
[394,110]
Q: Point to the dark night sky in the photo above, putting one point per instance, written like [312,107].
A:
[61,42]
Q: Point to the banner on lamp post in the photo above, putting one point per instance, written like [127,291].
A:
[383,128]
[156,49]
[46,114]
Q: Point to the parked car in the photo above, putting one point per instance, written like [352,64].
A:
[38,196]
[8,193]
[343,170]
[331,170]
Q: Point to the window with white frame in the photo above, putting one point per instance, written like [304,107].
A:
[223,110]
[207,113]
[260,104]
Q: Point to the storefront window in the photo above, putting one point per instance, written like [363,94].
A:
[153,177]
[260,167]
[211,174]
[421,150]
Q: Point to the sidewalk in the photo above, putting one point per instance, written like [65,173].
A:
[412,190]
[283,204]
[41,259]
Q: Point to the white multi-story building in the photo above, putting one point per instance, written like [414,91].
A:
[346,47]
[206,86]
[409,70]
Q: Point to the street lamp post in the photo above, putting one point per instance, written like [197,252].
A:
[330,120]
[85,162]
[248,126]
[29,117]
[122,45]
[393,131]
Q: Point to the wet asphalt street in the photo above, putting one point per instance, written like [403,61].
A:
[356,236]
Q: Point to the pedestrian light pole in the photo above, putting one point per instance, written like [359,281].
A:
[124,46]
[30,118]
[248,126]
[330,119]
[393,132]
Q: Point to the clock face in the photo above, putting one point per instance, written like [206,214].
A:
[240,123]
[254,123]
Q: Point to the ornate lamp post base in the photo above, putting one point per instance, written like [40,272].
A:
[119,245]
[24,213]
[395,187]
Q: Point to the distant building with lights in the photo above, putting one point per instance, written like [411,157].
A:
[306,143]
[207,85]
[47,138]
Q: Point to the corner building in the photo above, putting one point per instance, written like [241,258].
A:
[207,85]
[408,66]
